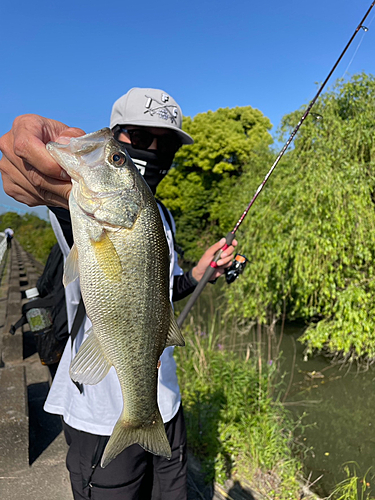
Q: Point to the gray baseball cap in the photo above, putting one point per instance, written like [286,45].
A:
[149,108]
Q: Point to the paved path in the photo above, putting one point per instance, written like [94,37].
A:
[32,447]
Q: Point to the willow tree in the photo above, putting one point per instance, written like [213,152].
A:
[310,237]
[225,142]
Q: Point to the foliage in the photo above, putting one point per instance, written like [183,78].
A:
[234,427]
[35,235]
[225,142]
[351,488]
[310,237]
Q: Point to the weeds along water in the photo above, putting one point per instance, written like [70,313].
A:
[233,392]
[236,427]
[354,487]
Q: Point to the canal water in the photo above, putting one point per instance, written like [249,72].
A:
[339,407]
[336,403]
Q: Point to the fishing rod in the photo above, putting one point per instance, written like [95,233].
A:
[230,236]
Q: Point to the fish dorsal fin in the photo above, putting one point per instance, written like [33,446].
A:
[90,365]
[174,336]
[107,257]
[71,271]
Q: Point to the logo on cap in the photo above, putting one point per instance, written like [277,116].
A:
[164,111]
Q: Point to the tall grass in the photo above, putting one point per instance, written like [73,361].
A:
[353,487]
[234,426]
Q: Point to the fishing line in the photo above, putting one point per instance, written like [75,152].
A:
[230,236]
[355,53]
[365,29]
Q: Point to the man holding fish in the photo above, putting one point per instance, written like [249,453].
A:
[125,431]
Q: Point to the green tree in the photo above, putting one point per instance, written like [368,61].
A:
[310,237]
[10,219]
[225,142]
[34,234]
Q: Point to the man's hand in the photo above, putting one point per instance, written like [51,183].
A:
[30,175]
[206,259]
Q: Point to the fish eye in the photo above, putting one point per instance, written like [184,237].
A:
[118,159]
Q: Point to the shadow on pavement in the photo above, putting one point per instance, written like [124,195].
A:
[237,492]
[43,427]
[29,347]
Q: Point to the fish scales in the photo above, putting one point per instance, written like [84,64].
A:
[141,279]
[121,256]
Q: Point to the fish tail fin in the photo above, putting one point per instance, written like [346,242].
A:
[151,437]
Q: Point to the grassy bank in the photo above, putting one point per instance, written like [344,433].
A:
[235,428]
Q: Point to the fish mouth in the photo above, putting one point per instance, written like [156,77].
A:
[67,155]
[61,153]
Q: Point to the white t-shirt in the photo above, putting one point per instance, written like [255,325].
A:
[9,232]
[97,410]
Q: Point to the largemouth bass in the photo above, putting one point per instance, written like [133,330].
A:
[121,256]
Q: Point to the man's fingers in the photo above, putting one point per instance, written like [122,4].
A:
[230,249]
[68,133]
[32,150]
[20,194]
[227,255]
[41,191]
[225,262]
[17,186]
[216,247]
[53,200]
[50,190]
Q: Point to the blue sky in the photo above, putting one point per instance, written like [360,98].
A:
[71,60]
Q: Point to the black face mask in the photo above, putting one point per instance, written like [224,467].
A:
[152,165]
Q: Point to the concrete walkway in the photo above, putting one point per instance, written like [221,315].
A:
[32,447]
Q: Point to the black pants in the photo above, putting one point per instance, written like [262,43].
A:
[134,474]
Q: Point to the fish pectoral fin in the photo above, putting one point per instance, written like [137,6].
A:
[90,365]
[107,257]
[174,336]
[71,272]
[151,437]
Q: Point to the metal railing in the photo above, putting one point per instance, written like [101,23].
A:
[3,245]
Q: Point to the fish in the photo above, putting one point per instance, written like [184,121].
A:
[121,257]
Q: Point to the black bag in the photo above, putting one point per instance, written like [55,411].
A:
[52,292]
[51,342]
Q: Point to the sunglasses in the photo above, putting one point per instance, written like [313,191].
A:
[142,139]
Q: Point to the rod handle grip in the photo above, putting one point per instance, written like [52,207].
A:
[205,278]
[228,241]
